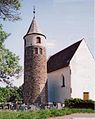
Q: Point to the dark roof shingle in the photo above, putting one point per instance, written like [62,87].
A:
[62,58]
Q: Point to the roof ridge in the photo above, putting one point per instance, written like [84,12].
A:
[69,46]
[64,55]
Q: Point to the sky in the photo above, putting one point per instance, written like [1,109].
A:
[64,22]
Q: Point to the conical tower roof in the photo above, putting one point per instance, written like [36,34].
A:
[33,27]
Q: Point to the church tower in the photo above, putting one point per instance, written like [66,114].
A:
[35,65]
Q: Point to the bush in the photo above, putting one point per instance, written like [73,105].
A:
[79,103]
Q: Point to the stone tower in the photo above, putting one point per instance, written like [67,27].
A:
[35,66]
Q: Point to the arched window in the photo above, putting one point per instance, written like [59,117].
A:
[63,81]
[36,50]
[38,40]
[41,52]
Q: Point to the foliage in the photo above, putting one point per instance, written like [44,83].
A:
[3,36]
[9,62]
[79,103]
[10,94]
[9,9]
[41,114]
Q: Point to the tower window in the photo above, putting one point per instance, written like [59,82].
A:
[25,42]
[41,51]
[63,81]
[36,50]
[38,40]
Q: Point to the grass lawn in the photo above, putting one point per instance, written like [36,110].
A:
[41,114]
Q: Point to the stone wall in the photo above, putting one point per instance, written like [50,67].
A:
[35,76]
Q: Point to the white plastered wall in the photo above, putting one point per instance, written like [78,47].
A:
[31,40]
[82,72]
[56,93]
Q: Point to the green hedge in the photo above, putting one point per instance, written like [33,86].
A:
[79,103]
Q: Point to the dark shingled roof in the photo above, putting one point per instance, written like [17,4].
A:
[62,58]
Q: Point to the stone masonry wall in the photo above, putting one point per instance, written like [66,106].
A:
[35,76]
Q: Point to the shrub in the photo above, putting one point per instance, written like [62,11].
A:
[79,103]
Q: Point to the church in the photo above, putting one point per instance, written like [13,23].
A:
[69,73]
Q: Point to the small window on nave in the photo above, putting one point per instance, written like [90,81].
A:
[38,40]
[63,81]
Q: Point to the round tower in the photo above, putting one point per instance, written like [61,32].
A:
[35,65]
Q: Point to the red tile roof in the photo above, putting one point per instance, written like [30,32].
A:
[62,58]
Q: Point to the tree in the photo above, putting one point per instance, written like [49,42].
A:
[9,9]
[10,94]
[9,62]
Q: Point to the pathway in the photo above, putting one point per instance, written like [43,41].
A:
[77,116]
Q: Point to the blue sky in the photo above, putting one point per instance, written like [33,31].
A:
[62,21]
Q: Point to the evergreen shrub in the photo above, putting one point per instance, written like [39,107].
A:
[79,103]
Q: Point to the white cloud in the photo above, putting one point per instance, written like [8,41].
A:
[50,45]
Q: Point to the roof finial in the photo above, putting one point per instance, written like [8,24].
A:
[34,11]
